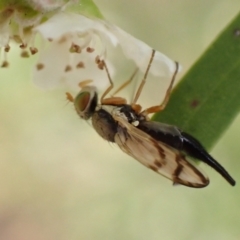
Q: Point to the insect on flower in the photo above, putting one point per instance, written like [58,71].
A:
[160,147]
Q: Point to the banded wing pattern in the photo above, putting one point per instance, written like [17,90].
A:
[183,142]
[158,156]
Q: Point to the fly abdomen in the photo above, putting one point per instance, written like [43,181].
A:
[165,133]
[195,149]
[183,142]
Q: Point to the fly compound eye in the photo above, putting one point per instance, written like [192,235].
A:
[85,102]
[82,101]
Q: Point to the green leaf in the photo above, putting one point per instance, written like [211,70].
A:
[207,99]
[86,7]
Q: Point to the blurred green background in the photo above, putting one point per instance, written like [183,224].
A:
[60,180]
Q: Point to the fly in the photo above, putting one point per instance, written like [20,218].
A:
[161,147]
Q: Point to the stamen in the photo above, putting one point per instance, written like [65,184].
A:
[32,47]
[22,45]
[40,66]
[90,50]
[33,50]
[80,65]
[102,51]
[5,64]
[21,37]
[68,68]
[101,65]
[7,48]
[75,48]
[97,60]
[24,54]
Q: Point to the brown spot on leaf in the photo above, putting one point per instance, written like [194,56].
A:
[40,66]
[50,39]
[236,32]
[194,103]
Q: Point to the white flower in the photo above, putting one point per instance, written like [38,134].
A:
[14,26]
[17,20]
[75,41]
[72,45]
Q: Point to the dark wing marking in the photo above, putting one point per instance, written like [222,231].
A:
[183,142]
[157,156]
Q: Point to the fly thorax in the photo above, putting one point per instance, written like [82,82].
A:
[103,122]
[128,114]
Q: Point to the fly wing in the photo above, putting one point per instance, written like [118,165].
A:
[158,156]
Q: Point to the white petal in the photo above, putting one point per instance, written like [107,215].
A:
[140,53]
[49,71]
[62,68]
[63,29]
[63,23]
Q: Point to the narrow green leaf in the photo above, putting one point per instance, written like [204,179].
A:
[207,99]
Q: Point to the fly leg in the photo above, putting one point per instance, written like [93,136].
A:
[125,84]
[111,100]
[144,79]
[160,107]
